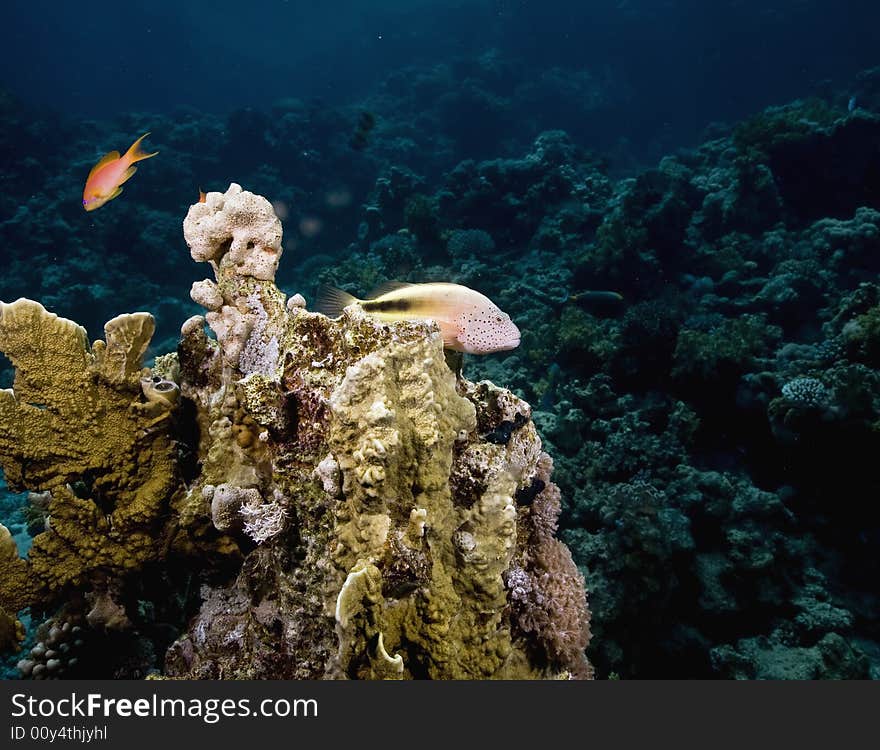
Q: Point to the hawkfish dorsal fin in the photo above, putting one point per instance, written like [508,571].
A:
[104,161]
[386,287]
[331,301]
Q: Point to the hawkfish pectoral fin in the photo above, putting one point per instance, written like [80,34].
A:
[449,332]
[331,301]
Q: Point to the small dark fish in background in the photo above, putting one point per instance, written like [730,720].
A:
[550,397]
[598,302]
[360,138]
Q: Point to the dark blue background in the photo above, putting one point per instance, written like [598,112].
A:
[681,63]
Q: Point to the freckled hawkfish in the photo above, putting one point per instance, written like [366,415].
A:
[469,321]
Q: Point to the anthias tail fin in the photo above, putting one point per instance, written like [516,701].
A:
[332,301]
[135,153]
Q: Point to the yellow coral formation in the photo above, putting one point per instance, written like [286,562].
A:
[363,586]
[395,418]
[74,425]
[16,591]
[126,338]
[384,666]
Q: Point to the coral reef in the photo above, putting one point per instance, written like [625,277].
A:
[713,432]
[356,509]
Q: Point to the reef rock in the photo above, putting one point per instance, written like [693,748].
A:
[358,509]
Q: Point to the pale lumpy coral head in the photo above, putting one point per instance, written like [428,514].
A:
[485,328]
[239,224]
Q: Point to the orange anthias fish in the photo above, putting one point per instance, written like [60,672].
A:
[104,181]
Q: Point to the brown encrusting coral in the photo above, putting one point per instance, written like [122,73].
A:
[353,509]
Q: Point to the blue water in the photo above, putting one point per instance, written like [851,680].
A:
[700,489]
[672,66]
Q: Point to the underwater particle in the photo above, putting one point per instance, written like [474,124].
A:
[104,181]
[281,210]
[339,198]
[310,226]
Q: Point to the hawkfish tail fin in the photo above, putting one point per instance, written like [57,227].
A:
[135,153]
[331,301]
